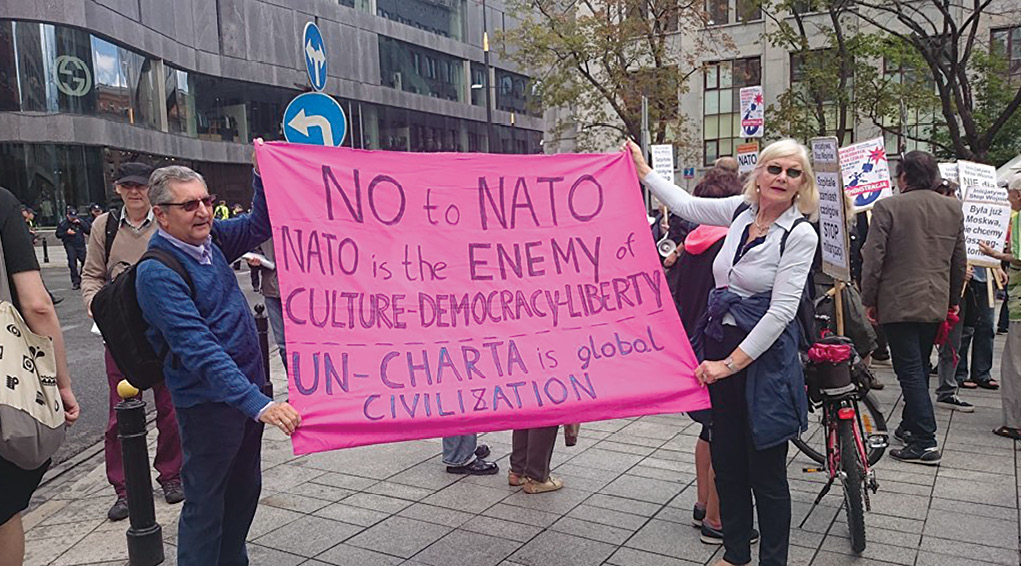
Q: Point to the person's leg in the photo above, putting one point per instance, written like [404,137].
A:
[730,462]
[882,351]
[254,276]
[459,450]
[112,444]
[712,504]
[275,312]
[242,496]
[947,368]
[907,348]
[1010,377]
[519,452]
[772,501]
[541,442]
[703,471]
[168,443]
[12,541]
[982,341]
[1003,323]
[72,265]
[211,437]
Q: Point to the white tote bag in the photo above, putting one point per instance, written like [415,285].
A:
[31,413]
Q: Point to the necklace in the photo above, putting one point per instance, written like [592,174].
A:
[760,227]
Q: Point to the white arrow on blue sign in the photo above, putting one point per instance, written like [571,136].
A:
[314,49]
[315,118]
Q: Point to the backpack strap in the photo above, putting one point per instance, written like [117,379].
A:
[783,239]
[113,225]
[740,208]
[170,260]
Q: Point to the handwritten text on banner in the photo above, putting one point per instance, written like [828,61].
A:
[429,295]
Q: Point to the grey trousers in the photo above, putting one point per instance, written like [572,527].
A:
[1010,377]
[532,451]
[946,367]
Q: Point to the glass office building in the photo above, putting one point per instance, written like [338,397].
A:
[196,82]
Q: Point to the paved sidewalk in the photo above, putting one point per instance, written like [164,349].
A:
[629,490]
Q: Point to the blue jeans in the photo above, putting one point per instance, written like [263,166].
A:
[910,349]
[979,337]
[459,450]
[222,481]
[275,312]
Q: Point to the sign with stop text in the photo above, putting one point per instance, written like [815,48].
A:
[429,295]
[836,261]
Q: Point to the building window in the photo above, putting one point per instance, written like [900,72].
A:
[442,17]
[913,124]
[410,68]
[721,126]
[514,94]
[1007,44]
[722,12]
[812,70]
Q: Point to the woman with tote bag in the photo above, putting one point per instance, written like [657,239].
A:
[21,285]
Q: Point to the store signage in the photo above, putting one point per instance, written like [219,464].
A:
[72,76]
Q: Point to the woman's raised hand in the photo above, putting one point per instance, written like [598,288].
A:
[641,166]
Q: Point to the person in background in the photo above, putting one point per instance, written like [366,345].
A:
[749,339]
[31,300]
[915,249]
[703,244]
[73,232]
[221,212]
[112,250]
[1010,366]
[95,210]
[270,290]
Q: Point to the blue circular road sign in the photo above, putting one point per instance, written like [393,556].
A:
[315,118]
[314,49]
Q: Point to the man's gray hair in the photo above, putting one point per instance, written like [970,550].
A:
[159,182]
[1015,183]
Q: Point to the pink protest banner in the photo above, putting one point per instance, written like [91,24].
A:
[429,295]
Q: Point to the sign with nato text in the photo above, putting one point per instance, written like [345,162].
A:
[986,211]
[429,295]
[836,261]
[866,173]
[747,156]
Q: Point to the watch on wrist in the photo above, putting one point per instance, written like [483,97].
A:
[729,362]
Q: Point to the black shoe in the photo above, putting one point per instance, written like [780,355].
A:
[915,454]
[902,435]
[76,286]
[710,535]
[57,300]
[955,404]
[119,511]
[697,516]
[881,355]
[1001,330]
[477,467]
[173,492]
[482,451]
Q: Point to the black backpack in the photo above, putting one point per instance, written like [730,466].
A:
[116,312]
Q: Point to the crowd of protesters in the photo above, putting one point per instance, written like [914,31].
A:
[744,255]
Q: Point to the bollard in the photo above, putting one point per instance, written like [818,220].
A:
[145,536]
[262,326]
[46,251]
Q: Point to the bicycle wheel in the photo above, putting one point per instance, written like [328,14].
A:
[813,442]
[854,484]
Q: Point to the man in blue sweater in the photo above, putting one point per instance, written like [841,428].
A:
[214,368]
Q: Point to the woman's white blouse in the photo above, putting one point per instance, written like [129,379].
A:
[761,268]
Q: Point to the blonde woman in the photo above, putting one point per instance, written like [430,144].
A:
[750,338]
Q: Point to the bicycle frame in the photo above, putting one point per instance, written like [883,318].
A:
[837,409]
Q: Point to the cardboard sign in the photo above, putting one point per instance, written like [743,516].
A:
[753,119]
[986,211]
[436,294]
[663,160]
[747,156]
[866,173]
[836,261]
[949,172]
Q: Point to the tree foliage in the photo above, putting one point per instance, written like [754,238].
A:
[598,58]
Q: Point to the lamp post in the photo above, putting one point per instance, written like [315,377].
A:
[486,83]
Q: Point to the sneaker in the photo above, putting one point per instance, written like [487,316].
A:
[711,535]
[119,511]
[956,404]
[902,435]
[173,492]
[697,515]
[914,454]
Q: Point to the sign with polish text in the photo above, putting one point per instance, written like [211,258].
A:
[866,173]
[663,160]
[836,261]
[752,112]
[986,211]
[430,295]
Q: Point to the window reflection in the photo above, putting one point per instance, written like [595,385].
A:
[514,93]
[417,70]
[442,17]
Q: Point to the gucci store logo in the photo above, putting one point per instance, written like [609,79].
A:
[72,76]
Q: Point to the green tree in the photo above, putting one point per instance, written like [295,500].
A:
[598,58]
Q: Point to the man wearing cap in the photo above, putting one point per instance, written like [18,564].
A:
[118,240]
[73,232]
[95,210]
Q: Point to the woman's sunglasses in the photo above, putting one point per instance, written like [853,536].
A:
[776,170]
[192,205]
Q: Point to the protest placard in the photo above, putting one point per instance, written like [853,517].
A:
[747,156]
[429,295]
[986,211]
[832,221]
[753,119]
[663,160]
[866,173]
[949,172]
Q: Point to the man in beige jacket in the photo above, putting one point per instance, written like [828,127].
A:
[913,274]
[112,250]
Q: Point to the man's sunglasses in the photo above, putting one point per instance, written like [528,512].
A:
[776,170]
[192,205]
